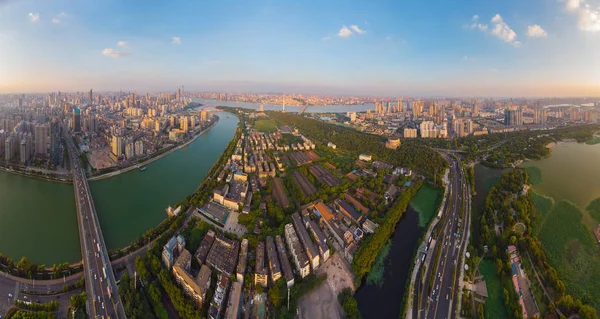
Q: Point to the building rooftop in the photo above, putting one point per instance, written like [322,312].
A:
[274,265]
[243,257]
[324,211]
[233,304]
[319,236]
[215,211]
[283,258]
[303,235]
[260,268]
[205,245]
[223,254]
[296,245]
[348,210]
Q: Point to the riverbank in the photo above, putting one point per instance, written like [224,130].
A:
[44,178]
[155,158]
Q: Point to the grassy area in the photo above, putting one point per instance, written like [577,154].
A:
[535,175]
[494,305]
[594,209]
[543,205]
[595,140]
[266,126]
[572,250]
[426,203]
[375,276]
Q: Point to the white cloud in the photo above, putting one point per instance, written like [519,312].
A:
[498,29]
[476,25]
[357,29]
[573,4]
[536,31]
[56,20]
[176,40]
[388,38]
[109,52]
[344,32]
[502,30]
[33,17]
[60,17]
[326,38]
[588,18]
[122,43]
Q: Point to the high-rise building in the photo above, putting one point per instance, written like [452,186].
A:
[427,129]
[540,116]
[513,116]
[400,106]
[3,136]
[76,120]
[118,145]
[129,150]
[183,124]
[459,128]
[417,108]
[139,147]
[90,98]
[9,147]
[42,139]
[55,142]
[410,133]
[469,127]
[575,113]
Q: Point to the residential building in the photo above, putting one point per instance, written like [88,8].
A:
[223,254]
[260,273]
[311,250]
[297,251]
[274,266]
[284,261]
[242,261]
[233,309]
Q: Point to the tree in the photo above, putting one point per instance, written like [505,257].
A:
[480,311]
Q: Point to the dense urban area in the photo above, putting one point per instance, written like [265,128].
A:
[297,210]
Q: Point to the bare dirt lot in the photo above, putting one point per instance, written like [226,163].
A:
[322,301]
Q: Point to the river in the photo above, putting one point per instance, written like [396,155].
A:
[295,109]
[38,220]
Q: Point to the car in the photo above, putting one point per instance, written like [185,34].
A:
[446,296]
[10,295]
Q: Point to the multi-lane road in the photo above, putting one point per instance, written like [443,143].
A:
[101,287]
[437,295]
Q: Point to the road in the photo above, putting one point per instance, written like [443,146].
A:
[436,298]
[101,287]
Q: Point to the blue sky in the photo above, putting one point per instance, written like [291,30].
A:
[398,48]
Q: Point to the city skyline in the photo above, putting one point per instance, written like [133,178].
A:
[410,49]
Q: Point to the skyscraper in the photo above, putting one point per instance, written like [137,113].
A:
[76,120]
[42,138]
[513,117]
[90,98]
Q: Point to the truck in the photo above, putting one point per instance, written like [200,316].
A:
[98,246]
[104,272]
[109,291]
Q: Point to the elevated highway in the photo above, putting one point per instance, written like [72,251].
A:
[103,296]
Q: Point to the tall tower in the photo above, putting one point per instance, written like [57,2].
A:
[76,120]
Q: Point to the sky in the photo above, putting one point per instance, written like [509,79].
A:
[521,48]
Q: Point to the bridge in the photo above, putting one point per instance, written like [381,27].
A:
[303,109]
[209,108]
[100,284]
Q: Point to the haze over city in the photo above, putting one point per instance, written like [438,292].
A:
[416,48]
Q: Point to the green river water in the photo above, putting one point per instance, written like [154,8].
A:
[38,220]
